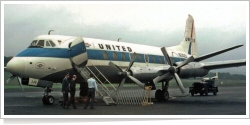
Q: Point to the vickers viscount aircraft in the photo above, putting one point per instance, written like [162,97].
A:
[49,57]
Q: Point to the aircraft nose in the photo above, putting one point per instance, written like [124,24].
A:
[16,66]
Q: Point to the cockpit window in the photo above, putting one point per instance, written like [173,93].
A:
[33,43]
[47,43]
[40,43]
[51,43]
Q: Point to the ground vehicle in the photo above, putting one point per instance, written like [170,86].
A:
[204,87]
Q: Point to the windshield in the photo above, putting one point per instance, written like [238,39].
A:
[41,44]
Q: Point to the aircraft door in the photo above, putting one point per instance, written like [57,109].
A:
[78,52]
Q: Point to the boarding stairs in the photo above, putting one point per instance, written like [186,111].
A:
[101,80]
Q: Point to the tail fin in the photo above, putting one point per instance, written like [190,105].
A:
[189,43]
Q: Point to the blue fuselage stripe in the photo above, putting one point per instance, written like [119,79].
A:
[92,54]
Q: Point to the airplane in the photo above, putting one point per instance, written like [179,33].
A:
[49,57]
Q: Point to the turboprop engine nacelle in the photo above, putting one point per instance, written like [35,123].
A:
[193,69]
[146,73]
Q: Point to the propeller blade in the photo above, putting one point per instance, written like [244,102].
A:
[121,84]
[133,55]
[190,59]
[165,53]
[159,78]
[20,82]
[115,66]
[179,83]
[10,79]
[142,85]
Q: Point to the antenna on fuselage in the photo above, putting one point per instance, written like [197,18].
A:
[119,39]
[49,32]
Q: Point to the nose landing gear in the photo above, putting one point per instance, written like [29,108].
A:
[48,99]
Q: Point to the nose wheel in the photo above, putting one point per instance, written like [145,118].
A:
[48,99]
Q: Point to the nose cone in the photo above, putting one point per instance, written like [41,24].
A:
[16,66]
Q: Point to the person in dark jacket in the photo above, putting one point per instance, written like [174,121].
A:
[72,90]
[65,90]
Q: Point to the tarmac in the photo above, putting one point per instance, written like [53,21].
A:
[229,101]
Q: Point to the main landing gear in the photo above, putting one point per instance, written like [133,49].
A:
[162,95]
[48,99]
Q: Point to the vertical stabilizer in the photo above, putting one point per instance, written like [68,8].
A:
[190,42]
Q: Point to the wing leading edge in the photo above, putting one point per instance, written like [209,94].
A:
[224,64]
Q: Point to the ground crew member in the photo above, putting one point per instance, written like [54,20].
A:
[91,91]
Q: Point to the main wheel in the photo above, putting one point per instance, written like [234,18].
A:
[50,100]
[45,100]
[165,95]
[158,95]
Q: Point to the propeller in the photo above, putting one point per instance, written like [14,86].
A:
[20,82]
[18,79]
[125,74]
[10,79]
[173,69]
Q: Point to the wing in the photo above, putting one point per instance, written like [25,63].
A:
[203,57]
[224,64]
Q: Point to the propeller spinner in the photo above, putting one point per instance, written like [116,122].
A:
[173,69]
[125,74]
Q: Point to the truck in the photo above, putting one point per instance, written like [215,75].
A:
[203,87]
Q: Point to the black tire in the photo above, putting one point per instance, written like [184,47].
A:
[215,92]
[201,93]
[158,95]
[50,100]
[45,100]
[192,93]
[206,91]
[165,95]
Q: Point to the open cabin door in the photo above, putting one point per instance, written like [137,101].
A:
[78,52]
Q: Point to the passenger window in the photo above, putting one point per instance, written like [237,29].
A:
[40,43]
[146,58]
[115,56]
[153,58]
[51,43]
[140,57]
[123,57]
[105,55]
[160,59]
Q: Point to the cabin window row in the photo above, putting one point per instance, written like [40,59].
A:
[111,55]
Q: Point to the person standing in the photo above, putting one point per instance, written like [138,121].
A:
[91,91]
[65,90]
[72,90]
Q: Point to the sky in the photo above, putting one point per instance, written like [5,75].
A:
[218,25]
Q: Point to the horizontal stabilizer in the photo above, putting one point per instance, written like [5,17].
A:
[203,57]
[224,64]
